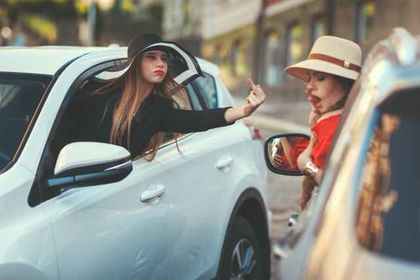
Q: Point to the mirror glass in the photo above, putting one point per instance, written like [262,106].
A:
[282,152]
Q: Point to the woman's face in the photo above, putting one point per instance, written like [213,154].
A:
[154,66]
[323,91]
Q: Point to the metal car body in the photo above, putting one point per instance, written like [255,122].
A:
[363,223]
[164,219]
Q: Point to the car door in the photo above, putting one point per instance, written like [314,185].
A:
[110,231]
[203,179]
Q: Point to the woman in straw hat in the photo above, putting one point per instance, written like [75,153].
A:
[329,73]
[139,105]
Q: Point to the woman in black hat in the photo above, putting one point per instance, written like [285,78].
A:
[143,109]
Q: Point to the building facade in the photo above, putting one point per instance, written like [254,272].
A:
[230,34]
[182,22]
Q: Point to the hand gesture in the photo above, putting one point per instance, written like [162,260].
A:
[255,98]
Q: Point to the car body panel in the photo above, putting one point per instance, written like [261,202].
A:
[26,235]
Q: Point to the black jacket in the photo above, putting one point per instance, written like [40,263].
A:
[156,114]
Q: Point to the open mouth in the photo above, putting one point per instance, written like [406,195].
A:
[314,100]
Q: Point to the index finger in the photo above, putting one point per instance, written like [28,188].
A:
[251,83]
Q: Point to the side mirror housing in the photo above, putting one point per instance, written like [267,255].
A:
[82,164]
[282,151]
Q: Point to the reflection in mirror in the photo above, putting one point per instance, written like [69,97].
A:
[282,152]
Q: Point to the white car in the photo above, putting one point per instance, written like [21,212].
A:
[89,211]
[364,223]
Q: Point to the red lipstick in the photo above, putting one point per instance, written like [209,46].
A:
[159,72]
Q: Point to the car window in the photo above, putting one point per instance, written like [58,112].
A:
[196,102]
[206,87]
[388,214]
[83,106]
[19,97]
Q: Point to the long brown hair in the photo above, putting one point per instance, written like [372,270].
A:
[346,85]
[132,97]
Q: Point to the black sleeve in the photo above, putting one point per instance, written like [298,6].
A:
[184,121]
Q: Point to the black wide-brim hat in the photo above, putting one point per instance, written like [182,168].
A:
[181,64]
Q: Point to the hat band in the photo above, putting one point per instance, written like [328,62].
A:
[343,63]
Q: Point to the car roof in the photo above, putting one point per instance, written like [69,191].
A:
[47,60]
[41,60]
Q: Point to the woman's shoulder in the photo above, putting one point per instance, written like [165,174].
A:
[327,124]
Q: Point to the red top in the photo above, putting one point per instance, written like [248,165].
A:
[324,132]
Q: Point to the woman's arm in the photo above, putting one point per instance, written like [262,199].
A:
[184,121]
[306,165]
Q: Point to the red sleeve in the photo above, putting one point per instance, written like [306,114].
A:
[324,132]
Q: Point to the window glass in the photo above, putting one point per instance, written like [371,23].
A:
[273,60]
[206,86]
[19,96]
[388,214]
[195,102]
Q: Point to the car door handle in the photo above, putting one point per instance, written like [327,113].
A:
[152,192]
[224,163]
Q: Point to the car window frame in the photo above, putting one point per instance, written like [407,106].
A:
[39,192]
[200,93]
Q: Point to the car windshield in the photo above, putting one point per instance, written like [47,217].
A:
[19,96]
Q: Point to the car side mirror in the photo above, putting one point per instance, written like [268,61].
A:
[282,151]
[82,164]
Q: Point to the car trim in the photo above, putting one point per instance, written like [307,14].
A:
[44,97]
[37,194]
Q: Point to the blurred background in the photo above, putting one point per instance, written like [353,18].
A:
[245,38]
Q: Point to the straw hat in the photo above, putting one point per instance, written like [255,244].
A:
[332,55]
